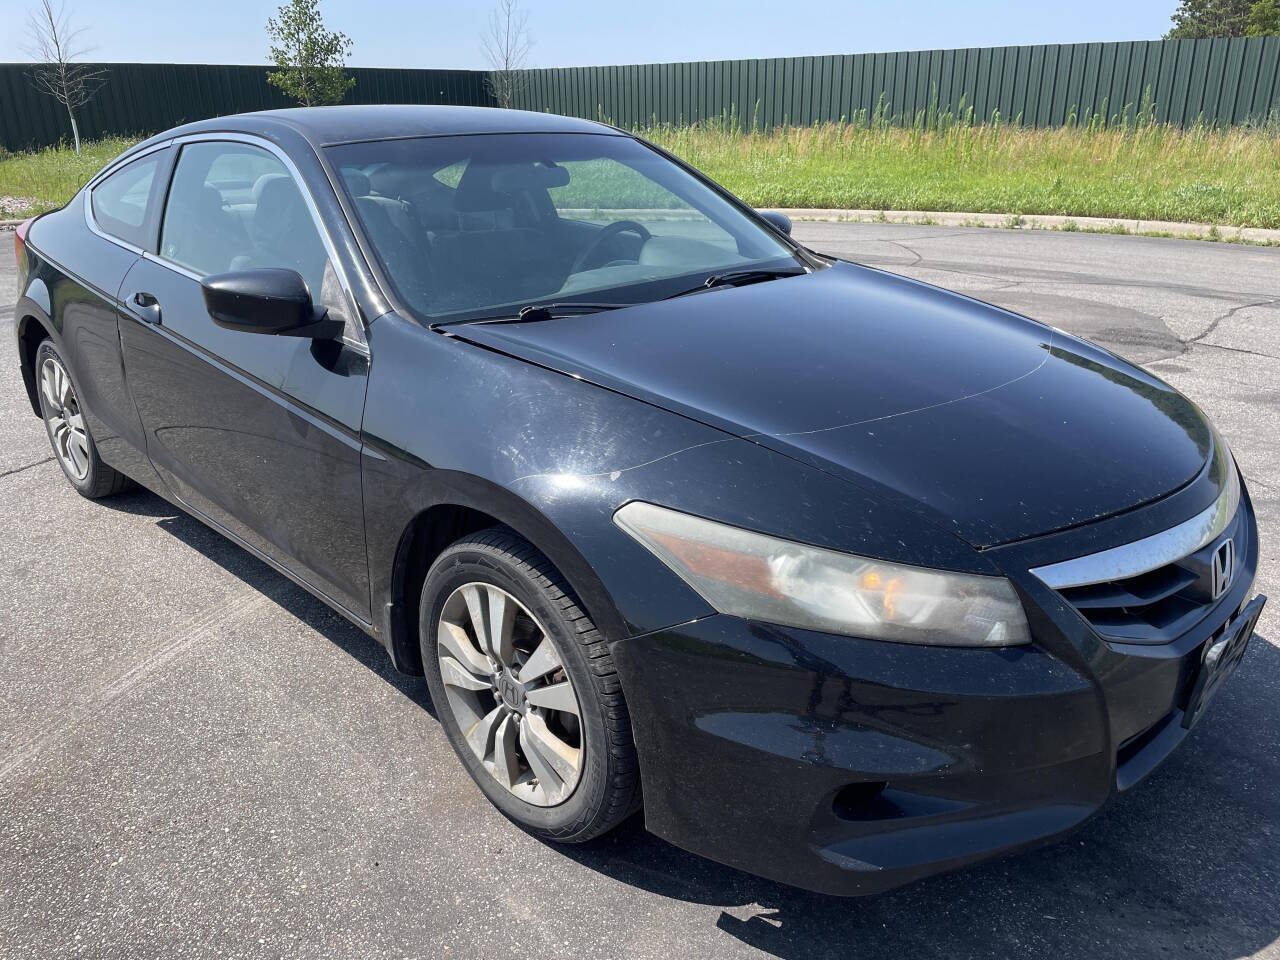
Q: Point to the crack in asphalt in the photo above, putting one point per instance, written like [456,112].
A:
[926,265]
[1007,283]
[1252,353]
[1077,279]
[1213,324]
[902,246]
[28,466]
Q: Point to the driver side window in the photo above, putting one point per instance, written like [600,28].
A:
[235,206]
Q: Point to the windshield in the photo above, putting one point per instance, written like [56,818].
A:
[473,226]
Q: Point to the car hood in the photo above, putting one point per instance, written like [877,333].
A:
[999,427]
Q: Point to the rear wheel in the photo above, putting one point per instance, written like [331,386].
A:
[69,435]
[526,690]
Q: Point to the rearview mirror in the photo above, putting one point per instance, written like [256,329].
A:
[267,300]
[779,221]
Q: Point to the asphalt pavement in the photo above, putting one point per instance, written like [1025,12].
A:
[199,759]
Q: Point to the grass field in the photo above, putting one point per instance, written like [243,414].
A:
[1151,172]
[48,179]
[1227,177]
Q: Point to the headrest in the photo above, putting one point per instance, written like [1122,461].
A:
[533,177]
[277,199]
[262,181]
[493,188]
[357,183]
[281,212]
[210,201]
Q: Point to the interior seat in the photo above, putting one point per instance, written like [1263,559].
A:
[434,209]
[282,234]
[396,210]
[207,236]
[498,253]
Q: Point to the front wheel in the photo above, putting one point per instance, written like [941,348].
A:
[526,690]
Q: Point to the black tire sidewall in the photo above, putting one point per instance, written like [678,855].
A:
[44,351]
[468,563]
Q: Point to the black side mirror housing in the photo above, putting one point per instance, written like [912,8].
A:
[266,300]
[779,221]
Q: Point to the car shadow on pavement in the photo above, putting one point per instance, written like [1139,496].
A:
[1186,863]
[261,576]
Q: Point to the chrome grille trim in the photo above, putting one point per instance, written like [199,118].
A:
[1150,553]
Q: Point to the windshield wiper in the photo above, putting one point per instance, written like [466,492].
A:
[736,278]
[535,312]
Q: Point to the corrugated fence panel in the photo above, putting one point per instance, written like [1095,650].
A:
[142,98]
[1215,81]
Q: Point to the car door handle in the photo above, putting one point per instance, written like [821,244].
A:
[150,306]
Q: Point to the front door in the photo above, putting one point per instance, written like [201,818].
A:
[258,433]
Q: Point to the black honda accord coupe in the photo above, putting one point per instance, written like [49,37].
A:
[842,578]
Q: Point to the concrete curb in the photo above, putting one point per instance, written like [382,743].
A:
[8,224]
[1165,228]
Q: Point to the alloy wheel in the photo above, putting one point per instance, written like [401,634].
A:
[64,419]
[510,694]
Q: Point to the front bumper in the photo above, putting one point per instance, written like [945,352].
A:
[853,766]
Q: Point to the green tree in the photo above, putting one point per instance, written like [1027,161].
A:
[1264,19]
[310,60]
[1210,18]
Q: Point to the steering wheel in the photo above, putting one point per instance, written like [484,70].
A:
[606,234]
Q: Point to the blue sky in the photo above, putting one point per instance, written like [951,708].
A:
[426,33]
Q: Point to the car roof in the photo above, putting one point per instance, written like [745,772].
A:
[324,126]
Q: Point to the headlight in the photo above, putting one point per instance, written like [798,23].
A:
[758,577]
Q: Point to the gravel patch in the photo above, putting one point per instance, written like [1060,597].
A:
[10,206]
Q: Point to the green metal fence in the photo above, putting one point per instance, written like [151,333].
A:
[1218,81]
[149,97]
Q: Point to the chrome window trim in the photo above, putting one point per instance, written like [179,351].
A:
[92,224]
[1153,552]
[90,220]
[119,162]
[171,265]
[321,228]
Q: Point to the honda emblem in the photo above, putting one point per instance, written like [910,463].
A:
[1224,567]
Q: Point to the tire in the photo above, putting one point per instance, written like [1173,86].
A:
[607,790]
[73,446]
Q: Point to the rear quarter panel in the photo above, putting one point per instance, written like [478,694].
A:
[71,289]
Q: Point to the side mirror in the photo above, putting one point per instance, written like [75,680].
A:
[267,300]
[779,221]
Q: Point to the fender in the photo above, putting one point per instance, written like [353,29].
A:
[397,561]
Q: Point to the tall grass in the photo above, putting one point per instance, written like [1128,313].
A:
[1126,166]
[49,178]
[1138,169]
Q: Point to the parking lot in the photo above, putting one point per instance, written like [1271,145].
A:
[197,758]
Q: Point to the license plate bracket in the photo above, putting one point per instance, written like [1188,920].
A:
[1220,658]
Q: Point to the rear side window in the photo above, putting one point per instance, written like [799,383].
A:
[121,202]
